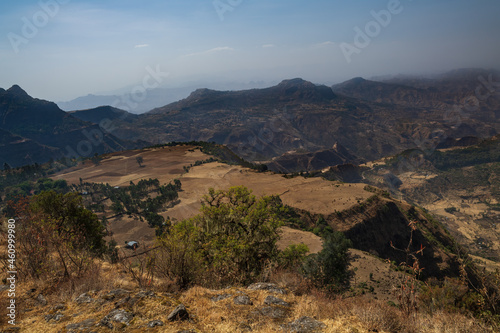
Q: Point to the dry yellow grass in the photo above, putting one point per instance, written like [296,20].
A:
[290,236]
[355,314]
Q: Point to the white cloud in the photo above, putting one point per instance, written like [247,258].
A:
[141,46]
[327,43]
[214,50]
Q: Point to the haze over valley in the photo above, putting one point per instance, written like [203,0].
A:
[235,166]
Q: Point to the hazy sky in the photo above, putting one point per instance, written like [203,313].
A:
[69,48]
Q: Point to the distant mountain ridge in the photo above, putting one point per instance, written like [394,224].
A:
[32,126]
[294,90]
[96,115]
[370,119]
[390,93]
[154,98]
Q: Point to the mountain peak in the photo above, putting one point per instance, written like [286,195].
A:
[202,93]
[297,82]
[17,91]
[358,79]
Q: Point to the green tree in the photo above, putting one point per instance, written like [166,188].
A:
[155,220]
[117,207]
[178,257]
[112,252]
[95,159]
[329,268]
[238,232]
[71,218]
[293,256]
[139,160]
[57,235]
[230,241]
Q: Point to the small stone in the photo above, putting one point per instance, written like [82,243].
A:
[41,299]
[122,302]
[267,286]
[59,307]
[83,298]
[273,312]
[179,313]
[54,317]
[221,297]
[117,316]
[81,325]
[146,293]
[271,300]
[245,327]
[155,323]
[115,293]
[242,300]
[304,325]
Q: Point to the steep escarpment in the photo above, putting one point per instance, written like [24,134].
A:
[392,230]
[395,230]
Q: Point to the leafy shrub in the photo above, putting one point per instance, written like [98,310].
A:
[329,268]
[57,236]
[293,256]
[450,210]
[231,240]
[239,232]
[178,257]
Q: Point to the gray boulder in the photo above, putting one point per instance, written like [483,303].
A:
[179,313]
[83,298]
[271,300]
[242,300]
[83,325]
[117,316]
[55,317]
[41,299]
[268,287]
[273,312]
[220,297]
[116,293]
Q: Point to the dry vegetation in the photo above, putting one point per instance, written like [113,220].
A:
[353,314]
